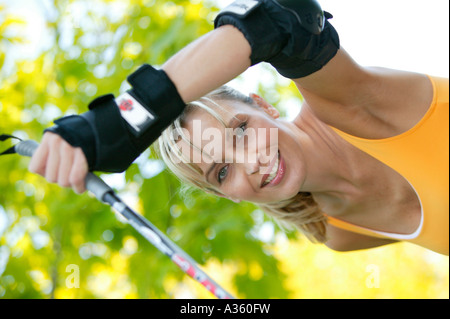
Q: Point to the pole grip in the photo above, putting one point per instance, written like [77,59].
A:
[93,183]
[26,148]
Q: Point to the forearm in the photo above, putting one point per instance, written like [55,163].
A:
[209,62]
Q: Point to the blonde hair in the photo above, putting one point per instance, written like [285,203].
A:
[301,210]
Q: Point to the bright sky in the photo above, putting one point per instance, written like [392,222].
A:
[404,34]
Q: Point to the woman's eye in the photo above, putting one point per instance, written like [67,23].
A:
[240,131]
[222,174]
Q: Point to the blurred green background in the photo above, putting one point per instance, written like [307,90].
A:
[56,244]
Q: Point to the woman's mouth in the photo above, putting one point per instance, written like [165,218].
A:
[276,174]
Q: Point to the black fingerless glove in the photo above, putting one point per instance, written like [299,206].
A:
[292,35]
[114,132]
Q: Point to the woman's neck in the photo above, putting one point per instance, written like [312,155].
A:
[333,168]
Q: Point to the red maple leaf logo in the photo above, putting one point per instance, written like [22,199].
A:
[126,105]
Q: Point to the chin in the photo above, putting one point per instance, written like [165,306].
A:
[288,195]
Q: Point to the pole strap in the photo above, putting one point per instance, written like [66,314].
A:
[11,150]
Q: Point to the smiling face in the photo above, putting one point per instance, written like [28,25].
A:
[253,157]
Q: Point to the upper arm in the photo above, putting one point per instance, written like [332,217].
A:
[367,102]
[343,240]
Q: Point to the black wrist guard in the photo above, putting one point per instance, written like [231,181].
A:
[114,132]
[293,35]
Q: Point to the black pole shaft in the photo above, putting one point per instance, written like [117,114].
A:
[166,246]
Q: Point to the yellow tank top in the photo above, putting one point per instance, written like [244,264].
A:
[421,156]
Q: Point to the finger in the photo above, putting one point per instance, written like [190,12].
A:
[67,154]
[39,159]
[53,160]
[78,172]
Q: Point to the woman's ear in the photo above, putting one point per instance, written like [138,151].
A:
[267,107]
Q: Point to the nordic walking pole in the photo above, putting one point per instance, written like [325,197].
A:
[105,194]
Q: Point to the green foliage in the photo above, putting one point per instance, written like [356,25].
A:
[93,46]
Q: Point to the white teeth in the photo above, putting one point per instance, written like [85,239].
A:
[273,173]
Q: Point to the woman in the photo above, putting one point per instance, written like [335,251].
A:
[326,181]
[364,164]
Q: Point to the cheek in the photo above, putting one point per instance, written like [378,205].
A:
[238,186]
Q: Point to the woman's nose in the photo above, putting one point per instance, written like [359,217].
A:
[250,170]
[253,166]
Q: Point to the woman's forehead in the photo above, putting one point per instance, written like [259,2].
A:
[224,111]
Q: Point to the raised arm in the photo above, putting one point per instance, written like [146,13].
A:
[209,62]
[369,102]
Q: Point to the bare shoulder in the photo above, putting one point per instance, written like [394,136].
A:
[343,240]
